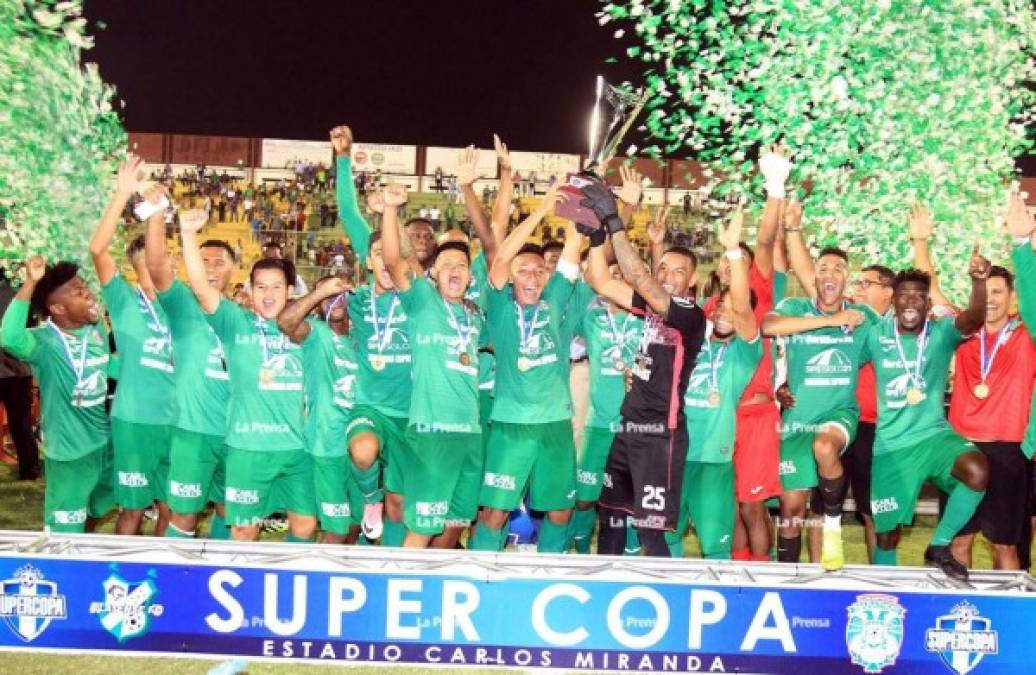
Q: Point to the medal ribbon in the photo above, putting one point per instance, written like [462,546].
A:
[463,335]
[715,364]
[816,305]
[618,338]
[334,303]
[922,342]
[81,367]
[381,338]
[987,365]
[526,334]
[261,325]
[150,307]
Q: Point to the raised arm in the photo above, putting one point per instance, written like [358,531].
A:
[1021,225]
[630,192]
[740,293]
[920,227]
[292,319]
[601,280]
[191,223]
[972,318]
[775,166]
[155,253]
[128,181]
[798,254]
[504,194]
[15,338]
[501,267]
[355,225]
[656,232]
[392,236]
[467,173]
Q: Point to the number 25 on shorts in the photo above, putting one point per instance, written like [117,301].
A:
[654,498]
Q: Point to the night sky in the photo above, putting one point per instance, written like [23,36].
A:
[444,73]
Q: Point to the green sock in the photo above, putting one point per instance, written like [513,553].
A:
[960,507]
[486,539]
[675,543]
[173,532]
[553,538]
[393,533]
[218,528]
[368,481]
[632,540]
[883,556]
[581,529]
[292,539]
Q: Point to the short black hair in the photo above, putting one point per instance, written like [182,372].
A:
[272,244]
[684,251]
[747,251]
[835,251]
[375,236]
[534,249]
[1003,273]
[552,245]
[135,246]
[286,266]
[219,243]
[452,246]
[913,275]
[54,278]
[414,221]
[885,275]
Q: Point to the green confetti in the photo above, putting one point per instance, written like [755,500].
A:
[883,103]
[60,139]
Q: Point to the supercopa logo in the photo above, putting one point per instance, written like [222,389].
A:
[28,603]
[874,631]
[962,638]
[128,606]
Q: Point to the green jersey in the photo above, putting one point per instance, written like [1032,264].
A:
[266,397]
[476,292]
[445,338]
[531,354]
[202,382]
[355,225]
[145,394]
[1024,259]
[720,376]
[379,326]
[902,424]
[780,286]
[822,364]
[330,384]
[612,340]
[72,369]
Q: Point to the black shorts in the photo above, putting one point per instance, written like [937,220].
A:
[857,462]
[644,476]
[1005,507]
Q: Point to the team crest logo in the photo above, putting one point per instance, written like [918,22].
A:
[874,631]
[128,606]
[961,638]
[28,603]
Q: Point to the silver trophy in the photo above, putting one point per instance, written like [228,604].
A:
[612,115]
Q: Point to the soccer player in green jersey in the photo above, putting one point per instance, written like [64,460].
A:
[69,356]
[726,363]
[144,409]
[197,451]
[267,464]
[914,442]
[823,361]
[530,439]
[444,459]
[329,359]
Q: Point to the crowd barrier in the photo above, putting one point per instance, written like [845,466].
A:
[72,594]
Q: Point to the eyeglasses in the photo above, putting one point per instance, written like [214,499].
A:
[865,284]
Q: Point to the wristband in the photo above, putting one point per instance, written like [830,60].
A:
[793,229]
[569,270]
[145,209]
[775,190]
[734,254]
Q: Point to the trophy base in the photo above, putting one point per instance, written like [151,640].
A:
[571,208]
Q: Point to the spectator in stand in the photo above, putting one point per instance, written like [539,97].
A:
[438,179]
[221,208]
[485,197]
[249,207]
[433,216]
[325,216]
[687,205]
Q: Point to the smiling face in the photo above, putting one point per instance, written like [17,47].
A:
[529,276]
[998,300]
[382,278]
[832,272]
[72,303]
[870,290]
[452,274]
[723,319]
[675,273]
[912,303]
[218,267]
[269,292]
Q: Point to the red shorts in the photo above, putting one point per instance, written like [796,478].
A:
[757,452]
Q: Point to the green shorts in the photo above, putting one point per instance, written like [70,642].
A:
[391,433]
[798,467]
[339,502]
[597,443]
[541,456]
[141,463]
[896,476]
[441,483]
[259,483]
[708,501]
[77,489]
[197,471]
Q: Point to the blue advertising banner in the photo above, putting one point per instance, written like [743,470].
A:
[517,621]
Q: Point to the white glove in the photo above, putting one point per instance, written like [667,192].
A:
[775,170]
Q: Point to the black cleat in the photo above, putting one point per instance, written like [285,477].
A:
[940,556]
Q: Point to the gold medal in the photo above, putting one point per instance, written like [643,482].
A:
[714,399]
[464,358]
[377,362]
[981,390]
[266,375]
[914,396]
[524,363]
[620,365]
